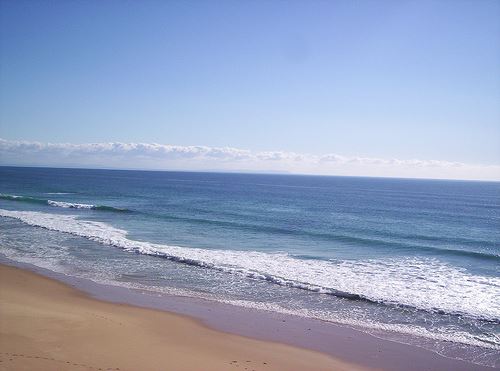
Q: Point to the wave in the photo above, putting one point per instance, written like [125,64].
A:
[23,199]
[422,283]
[67,205]
[71,205]
[383,241]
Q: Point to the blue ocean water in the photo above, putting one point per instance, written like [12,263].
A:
[411,260]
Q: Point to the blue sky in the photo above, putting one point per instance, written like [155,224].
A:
[363,79]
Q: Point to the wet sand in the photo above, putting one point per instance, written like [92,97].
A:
[48,325]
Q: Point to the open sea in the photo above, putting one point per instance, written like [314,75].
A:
[415,261]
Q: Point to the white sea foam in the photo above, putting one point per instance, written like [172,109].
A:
[368,325]
[66,205]
[426,284]
[69,205]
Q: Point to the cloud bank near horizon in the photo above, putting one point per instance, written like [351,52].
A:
[152,156]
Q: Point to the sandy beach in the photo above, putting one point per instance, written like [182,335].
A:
[47,325]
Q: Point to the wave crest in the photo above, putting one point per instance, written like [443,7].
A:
[66,205]
[69,205]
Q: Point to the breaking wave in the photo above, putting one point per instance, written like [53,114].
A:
[67,205]
[422,283]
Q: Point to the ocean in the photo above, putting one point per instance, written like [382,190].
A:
[414,261]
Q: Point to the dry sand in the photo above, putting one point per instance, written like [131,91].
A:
[47,325]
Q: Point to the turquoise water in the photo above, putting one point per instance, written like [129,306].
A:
[412,260]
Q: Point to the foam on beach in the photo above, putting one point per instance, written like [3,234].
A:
[422,283]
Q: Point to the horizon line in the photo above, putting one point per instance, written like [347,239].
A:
[243,172]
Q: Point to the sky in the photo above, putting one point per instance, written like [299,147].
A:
[378,88]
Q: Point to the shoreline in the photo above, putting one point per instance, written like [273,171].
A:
[339,343]
[46,325]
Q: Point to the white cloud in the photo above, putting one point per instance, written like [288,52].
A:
[172,157]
